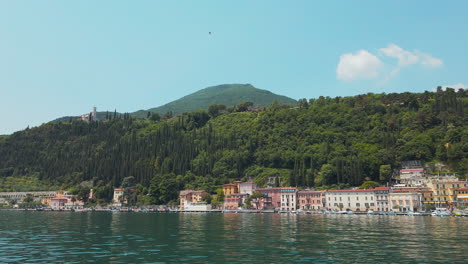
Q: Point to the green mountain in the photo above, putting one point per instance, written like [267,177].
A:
[322,143]
[226,94]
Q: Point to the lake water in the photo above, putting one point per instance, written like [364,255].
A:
[101,237]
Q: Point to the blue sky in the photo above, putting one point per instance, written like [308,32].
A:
[61,58]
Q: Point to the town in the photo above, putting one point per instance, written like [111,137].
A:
[412,192]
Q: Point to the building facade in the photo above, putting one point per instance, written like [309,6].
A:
[310,200]
[188,197]
[351,199]
[405,200]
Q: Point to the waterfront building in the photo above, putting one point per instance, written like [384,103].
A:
[231,203]
[119,196]
[282,198]
[190,196]
[247,187]
[230,188]
[288,199]
[310,200]
[351,199]
[406,200]
[262,203]
[58,203]
[382,197]
[462,196]
[444,191]
[18,197]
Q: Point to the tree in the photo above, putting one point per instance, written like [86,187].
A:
[385,172]
[168,115]
[214,110]
[206,198]
[242,107]
[155,117]
[369,185]
[326,175]
[128,182]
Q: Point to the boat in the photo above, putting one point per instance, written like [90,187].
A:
[370,212]
[391,213]
[411,213]
[441,212]
[350,213]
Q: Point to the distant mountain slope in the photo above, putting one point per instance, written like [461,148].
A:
[227,94]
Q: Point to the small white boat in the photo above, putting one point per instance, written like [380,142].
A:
[411,213]
[441,213]
[350,213]
[370,212]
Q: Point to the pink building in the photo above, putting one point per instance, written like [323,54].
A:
[231,203]
[310,200]
[409,173]
[262,203]
[58,203]
[282,198]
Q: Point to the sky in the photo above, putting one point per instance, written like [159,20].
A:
[61,58]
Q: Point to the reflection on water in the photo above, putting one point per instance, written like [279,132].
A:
[48,237]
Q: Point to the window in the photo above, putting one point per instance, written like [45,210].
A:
[358,204]
[340,199]
[371,204]
[366,198]
[372,198]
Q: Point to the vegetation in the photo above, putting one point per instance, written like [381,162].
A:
[227,94]
[322,143]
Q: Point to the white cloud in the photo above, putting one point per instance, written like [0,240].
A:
[430,61]
[406,58]
[365,65]
[360,65]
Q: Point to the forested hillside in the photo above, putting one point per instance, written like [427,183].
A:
[317,142]
[226,94]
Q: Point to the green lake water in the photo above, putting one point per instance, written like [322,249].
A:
[104,237]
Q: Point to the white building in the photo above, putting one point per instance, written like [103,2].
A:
[247,187]
[352,199]
[382,199]
[405,201]
[288,199]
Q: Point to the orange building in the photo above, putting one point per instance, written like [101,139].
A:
[230,189]
[190,196]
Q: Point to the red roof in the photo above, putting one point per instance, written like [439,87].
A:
[362,190]
[382,188]
[462,189]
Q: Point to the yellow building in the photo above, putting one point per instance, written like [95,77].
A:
[230,189]
[462,196]
[444,192]
[188,197]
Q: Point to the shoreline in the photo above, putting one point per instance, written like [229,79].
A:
[236,212]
